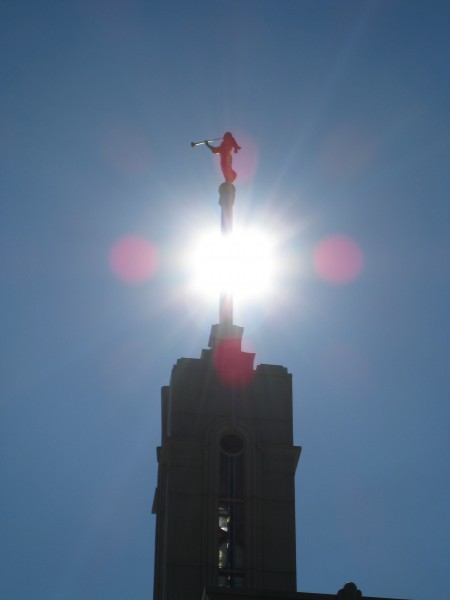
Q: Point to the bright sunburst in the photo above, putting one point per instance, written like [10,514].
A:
[241,263]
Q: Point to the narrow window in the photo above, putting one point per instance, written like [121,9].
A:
[231,508]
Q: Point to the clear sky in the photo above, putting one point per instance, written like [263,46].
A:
[342,112]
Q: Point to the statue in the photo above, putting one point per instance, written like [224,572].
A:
[228,144]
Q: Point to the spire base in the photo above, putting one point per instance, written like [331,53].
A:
[228,332]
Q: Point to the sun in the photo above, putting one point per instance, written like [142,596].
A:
[241,263]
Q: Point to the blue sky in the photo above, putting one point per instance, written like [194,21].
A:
[341,109]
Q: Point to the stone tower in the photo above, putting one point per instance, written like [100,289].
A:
[225,494]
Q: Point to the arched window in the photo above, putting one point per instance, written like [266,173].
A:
[231,512]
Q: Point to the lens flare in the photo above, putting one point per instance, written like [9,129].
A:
[133,259]
[338,259]
[233,369]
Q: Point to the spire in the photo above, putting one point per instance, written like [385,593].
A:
[225,330]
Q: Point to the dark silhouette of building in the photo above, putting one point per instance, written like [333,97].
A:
[225,499]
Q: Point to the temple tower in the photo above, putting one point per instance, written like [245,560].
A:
[225,494]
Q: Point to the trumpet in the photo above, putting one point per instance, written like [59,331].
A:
[194,144]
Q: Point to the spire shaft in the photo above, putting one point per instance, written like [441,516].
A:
[227,193]
[225,330]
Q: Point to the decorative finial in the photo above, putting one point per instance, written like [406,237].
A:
[228,144]
[349,592]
